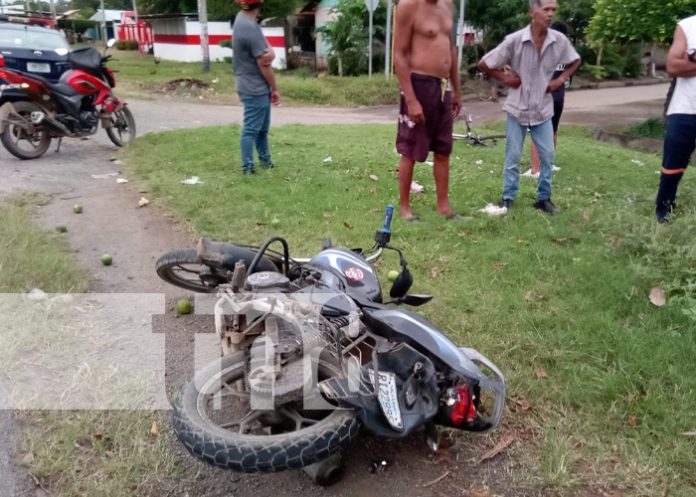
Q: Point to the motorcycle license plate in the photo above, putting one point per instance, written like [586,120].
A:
[38,67]
[388,399]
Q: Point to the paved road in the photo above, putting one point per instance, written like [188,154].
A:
[67,176]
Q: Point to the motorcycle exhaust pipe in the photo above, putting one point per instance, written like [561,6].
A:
[58,128]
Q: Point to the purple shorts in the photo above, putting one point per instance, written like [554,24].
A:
[415,141]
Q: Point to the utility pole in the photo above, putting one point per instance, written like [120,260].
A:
[53,10]
[371,6]
[103,22]
[460,32]
[388,42]
[137,28]
[203,22]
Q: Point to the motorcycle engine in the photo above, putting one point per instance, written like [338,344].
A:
[88,119]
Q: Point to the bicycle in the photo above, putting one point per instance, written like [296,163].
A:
[476,139]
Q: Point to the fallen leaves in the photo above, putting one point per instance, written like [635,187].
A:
[521,404]
[502,444]
[500,265]
[154,429]
[586,216]
[347,225]
[657,297]
[373,177]
[632,421]
[541,373]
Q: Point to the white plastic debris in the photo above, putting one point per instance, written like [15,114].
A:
[529,174]
[479,162]
[429,163]
[494,210]
[143,202]
[328,159]
[373,177]
[193,180]
[216,80]
[104,176]
[416,187]
[37,294]
[637,162]
[120,181]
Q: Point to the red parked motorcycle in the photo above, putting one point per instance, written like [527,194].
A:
[73,107]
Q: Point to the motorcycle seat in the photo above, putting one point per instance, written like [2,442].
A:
[61,88]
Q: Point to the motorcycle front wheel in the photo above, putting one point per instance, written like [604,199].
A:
[122,130]
[21,138]
[184,269]
[213,420]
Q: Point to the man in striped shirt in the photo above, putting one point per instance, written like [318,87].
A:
[533,53]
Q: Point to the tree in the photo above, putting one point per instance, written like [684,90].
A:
[496,19]
[576,14]
[621,21]
[348,35]
[219,10]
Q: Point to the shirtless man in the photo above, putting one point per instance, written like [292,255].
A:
[425,60]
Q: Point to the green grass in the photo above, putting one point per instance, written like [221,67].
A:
[70,453]
[139,75]
[651,128]
[567,294]
[32,258]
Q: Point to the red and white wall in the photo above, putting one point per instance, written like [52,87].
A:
[179,39]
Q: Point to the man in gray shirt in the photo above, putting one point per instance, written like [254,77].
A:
[533,53]
[256,84]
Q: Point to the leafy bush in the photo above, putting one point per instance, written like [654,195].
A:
[126,45]
[652,128]
[594,71]
[226,43]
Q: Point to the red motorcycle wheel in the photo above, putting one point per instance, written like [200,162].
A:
[122,130]
[21,138]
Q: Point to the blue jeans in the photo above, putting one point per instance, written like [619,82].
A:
[257,120]
[542,134]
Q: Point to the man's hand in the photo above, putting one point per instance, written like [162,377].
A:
[415,112]
[456,105]
[275,97]
[512,80]
[267,58]
[555,84]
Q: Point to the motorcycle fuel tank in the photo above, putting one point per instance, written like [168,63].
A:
[359,276]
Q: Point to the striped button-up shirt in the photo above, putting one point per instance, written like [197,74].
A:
[530,103]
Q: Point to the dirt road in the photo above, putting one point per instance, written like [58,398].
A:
[136,237]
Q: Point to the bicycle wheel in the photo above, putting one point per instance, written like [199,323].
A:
[490,138]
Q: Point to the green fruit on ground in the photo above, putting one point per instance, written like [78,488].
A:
[106,259]
[184,306]
[392,275]
[61,228]
[77,209]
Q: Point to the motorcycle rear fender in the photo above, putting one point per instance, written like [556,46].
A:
[403,325]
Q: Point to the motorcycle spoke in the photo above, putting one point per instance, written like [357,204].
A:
[231,391]
[246,423]
[297,418]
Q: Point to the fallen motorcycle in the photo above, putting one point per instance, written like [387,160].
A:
[311,351]
[83,97]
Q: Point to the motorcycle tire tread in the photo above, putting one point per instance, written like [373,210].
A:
[170,259]
[253,454]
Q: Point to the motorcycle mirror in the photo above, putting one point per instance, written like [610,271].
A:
[402,284]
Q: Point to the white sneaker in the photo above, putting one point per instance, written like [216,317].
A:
[554,167]
[528,173]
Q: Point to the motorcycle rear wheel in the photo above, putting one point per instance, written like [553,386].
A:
[183,268]
[14,134]
[122,130]
[251,453]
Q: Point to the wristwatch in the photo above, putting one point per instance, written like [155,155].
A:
[691,55]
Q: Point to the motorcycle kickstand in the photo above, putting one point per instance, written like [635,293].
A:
[60,141]
[327,471]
